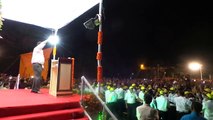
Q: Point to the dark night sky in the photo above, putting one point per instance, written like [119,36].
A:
[150,32]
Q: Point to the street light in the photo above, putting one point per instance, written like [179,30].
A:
[142,67]
[195,66]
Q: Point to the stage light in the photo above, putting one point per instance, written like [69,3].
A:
[92,22]
[53,39]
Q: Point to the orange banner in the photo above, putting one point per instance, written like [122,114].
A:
[26,69]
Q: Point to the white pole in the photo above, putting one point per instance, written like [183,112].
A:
[201,75]
[99,66]
[54,49]
[17,82]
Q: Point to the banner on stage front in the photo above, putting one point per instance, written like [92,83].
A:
[25,67]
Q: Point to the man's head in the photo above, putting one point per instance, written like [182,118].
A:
[181,92]
[147,98]
[130,88]
[161,92]
[197,107]
[209,96]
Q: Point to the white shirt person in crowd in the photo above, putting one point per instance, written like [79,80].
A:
[130,99]
[208,106]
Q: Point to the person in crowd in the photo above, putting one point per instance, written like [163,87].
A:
[187,82]
[208,107]
[99,88]
[172,107]
[162,106]
[22,84]
[195,114]
[145,112]
[38,65]
[130,99]
[189,95]
[106,92]
[153,104]
[182,104]
[141,94]
[134,88]
[172,95]
[112,101]
[121,103]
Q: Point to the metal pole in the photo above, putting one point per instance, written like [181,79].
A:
[99,53]
[201,75]
[82,90]
[54,49]
[54,52]
[97,96]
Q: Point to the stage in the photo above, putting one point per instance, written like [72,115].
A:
[21,104]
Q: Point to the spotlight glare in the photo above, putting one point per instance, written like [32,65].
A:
[194,66]
[53,39]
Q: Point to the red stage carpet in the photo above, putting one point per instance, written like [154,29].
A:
[23,105]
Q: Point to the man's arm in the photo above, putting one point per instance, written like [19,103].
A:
[42,44]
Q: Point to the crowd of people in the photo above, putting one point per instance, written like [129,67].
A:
[9,82]
[148,99]
[158,99]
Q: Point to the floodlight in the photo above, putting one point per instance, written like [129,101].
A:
[196,66]
[92,22]
[53,39]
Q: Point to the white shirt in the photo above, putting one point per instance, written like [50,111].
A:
[171,97]
[208,109]
[38,55]
[120,93]
[141,95]
[130,97]
[162,103]
[182,104]
[107,92]
[111,97]
[153,104]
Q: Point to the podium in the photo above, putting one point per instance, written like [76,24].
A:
[61,77]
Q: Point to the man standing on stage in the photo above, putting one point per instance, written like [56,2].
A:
[38,65]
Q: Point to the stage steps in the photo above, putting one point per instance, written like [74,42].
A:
[69,114]
[23,105]
[45,113]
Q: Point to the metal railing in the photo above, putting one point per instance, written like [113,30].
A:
[84,80]
[16,86]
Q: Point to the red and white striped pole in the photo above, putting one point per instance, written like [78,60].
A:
[99,42]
